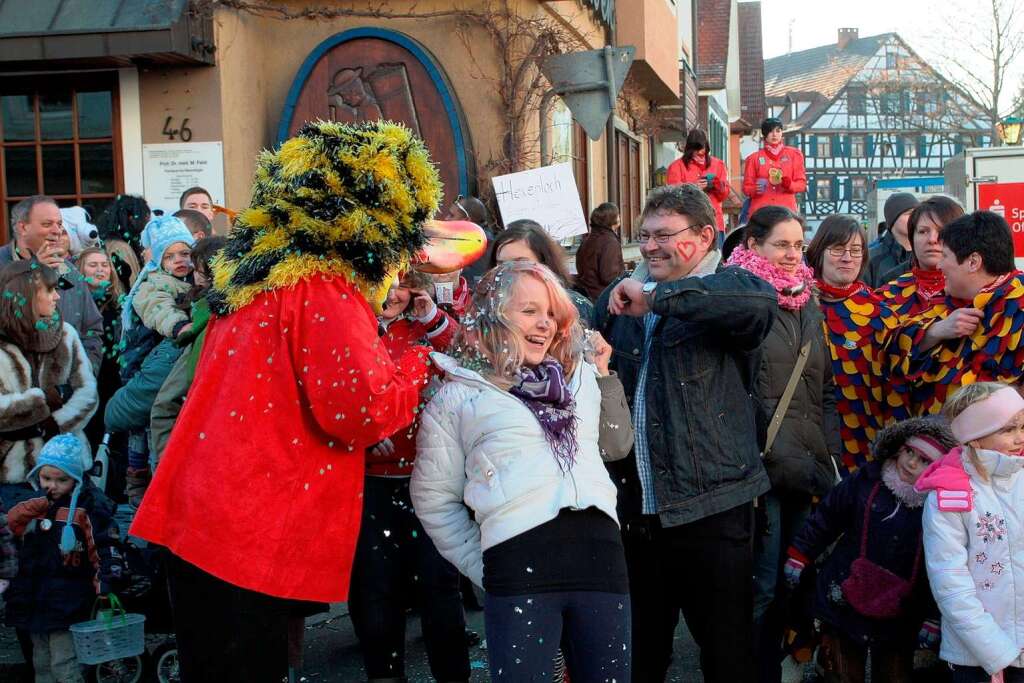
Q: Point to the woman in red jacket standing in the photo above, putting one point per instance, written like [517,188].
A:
[698,167]
[775,174]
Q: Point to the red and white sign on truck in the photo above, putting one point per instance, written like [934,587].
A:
[991,179]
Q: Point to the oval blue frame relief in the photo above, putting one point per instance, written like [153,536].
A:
[421,55]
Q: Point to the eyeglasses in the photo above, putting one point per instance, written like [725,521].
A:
[663,237]
[838,252]
[788,246]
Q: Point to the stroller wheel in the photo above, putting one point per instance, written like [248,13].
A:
[124,670]
[165,665]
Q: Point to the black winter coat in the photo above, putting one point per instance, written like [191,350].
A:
[800,460]
[52,592]
[894,536]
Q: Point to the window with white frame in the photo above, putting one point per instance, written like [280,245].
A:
[824,146]
[857,146]
[823,189]
[910,146]
[859,188]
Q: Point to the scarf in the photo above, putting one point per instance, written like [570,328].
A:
[930,283]
[543,390]
[904,492]
[787,285]
[774,150]
[700,158]
[837,293]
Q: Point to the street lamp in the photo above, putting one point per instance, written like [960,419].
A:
[1010,129]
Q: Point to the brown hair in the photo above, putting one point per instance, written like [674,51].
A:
[605,216]
[19,282]
[115,290]
[683,200]
[940,208]
[836,230]
[549,252]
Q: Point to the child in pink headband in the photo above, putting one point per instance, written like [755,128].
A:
[974,534]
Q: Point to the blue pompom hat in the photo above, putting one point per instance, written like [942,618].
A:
[68,454]
[159,233]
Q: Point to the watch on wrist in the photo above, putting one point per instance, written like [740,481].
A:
[648,291]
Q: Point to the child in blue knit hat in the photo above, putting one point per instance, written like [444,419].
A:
[62,566]
[155,310]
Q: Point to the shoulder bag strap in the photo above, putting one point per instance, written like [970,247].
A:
[780,410]
[867,519]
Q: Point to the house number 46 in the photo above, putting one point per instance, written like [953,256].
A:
[184,131]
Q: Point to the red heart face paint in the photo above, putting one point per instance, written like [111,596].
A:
[686,250]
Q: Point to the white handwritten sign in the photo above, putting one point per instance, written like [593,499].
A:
[547,195]
[171,168]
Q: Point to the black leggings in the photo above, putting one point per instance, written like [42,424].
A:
[395,560]
[975,674]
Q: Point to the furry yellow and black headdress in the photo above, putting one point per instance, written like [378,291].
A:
[339,199]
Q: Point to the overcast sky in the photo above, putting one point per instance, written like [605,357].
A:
[815,22]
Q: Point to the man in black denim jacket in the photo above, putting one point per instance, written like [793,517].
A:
[686,338]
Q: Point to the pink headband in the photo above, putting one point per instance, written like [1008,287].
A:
[927,447]
[987,416]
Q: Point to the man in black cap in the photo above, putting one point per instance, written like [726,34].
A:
[893,248]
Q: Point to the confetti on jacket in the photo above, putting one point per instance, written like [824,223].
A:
[856,328]
[261,482]
[994,352]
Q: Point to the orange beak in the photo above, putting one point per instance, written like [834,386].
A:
[451,246]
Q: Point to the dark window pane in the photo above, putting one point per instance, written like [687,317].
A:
[94,114]
[96,206]
[19,119]
[97,168]
[59,169]
[20,171]
[55,115]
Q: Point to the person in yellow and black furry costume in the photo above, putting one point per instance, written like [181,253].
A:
[259,492]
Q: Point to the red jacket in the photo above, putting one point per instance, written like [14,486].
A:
[794,179]
[718,190]
[400,336]
[261,483]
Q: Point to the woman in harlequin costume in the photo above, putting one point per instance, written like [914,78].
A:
[258,494]
[774,175]
[974,333]
[857,326]
[910,293]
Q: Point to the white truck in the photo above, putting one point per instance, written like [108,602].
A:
[991,179]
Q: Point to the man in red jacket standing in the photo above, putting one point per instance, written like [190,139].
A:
[698,167]
[259,493]
[774,175]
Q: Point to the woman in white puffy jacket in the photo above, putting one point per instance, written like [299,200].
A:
[974,535]
[510,485]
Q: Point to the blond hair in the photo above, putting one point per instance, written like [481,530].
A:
[488,338]
[961,400]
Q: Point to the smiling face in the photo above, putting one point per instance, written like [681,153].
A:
[842,270]
[531,314]
[55,482]
[396,302]
[44,224]
[1009,439]
[927,247]
[784,245]
[177,259]
[671,246]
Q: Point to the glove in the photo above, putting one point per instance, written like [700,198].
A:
[791,571]
[787,183]
[930,635]
[762,185]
